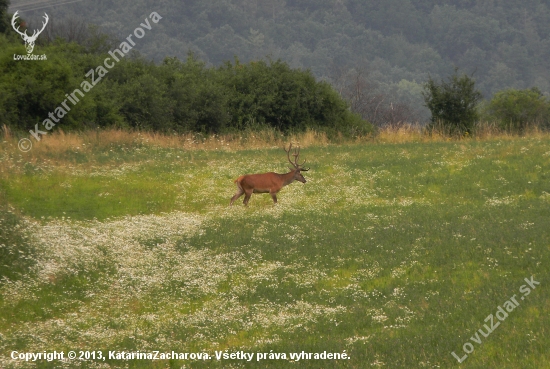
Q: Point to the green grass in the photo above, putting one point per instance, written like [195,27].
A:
[395,253]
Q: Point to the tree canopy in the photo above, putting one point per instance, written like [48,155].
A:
[399,42]
[173,96]
[453,103]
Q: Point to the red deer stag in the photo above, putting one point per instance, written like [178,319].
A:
[270,182]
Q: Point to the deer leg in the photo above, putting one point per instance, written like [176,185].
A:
[274,197]
[238,194]
[247,197]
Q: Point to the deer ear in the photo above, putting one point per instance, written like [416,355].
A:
[292,169]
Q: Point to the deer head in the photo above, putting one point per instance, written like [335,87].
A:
[296,168]
[29,40]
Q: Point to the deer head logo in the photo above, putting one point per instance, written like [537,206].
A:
[29,40]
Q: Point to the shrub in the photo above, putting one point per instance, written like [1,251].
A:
[180,96]
[453,103]
[514,109]
[275,95]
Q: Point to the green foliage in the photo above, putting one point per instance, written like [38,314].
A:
[30,91]
[395,41]
[17,253]
[515,109]
[4,20]
[453,103]
[274,95]
[199,97]
[181,96]
[398,261]
[505,42]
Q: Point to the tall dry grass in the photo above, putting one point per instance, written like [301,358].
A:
[407,132]
[58,148]
[484,130]
[59,142]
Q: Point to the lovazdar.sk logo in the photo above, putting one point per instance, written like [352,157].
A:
[29,40]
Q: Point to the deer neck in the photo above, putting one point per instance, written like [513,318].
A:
[288,178]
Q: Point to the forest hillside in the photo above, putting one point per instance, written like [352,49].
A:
[394,45]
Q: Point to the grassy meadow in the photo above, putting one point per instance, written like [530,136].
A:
[395,251]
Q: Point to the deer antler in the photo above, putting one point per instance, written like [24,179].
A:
[24,34]
[43,26]
[288,154]
[296,154]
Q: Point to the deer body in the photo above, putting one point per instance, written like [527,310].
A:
[270,182]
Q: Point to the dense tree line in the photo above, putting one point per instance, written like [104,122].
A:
[397,44]
[175,95]
[199,92]
[456,106]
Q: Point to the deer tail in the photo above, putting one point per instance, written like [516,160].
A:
[238,181]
